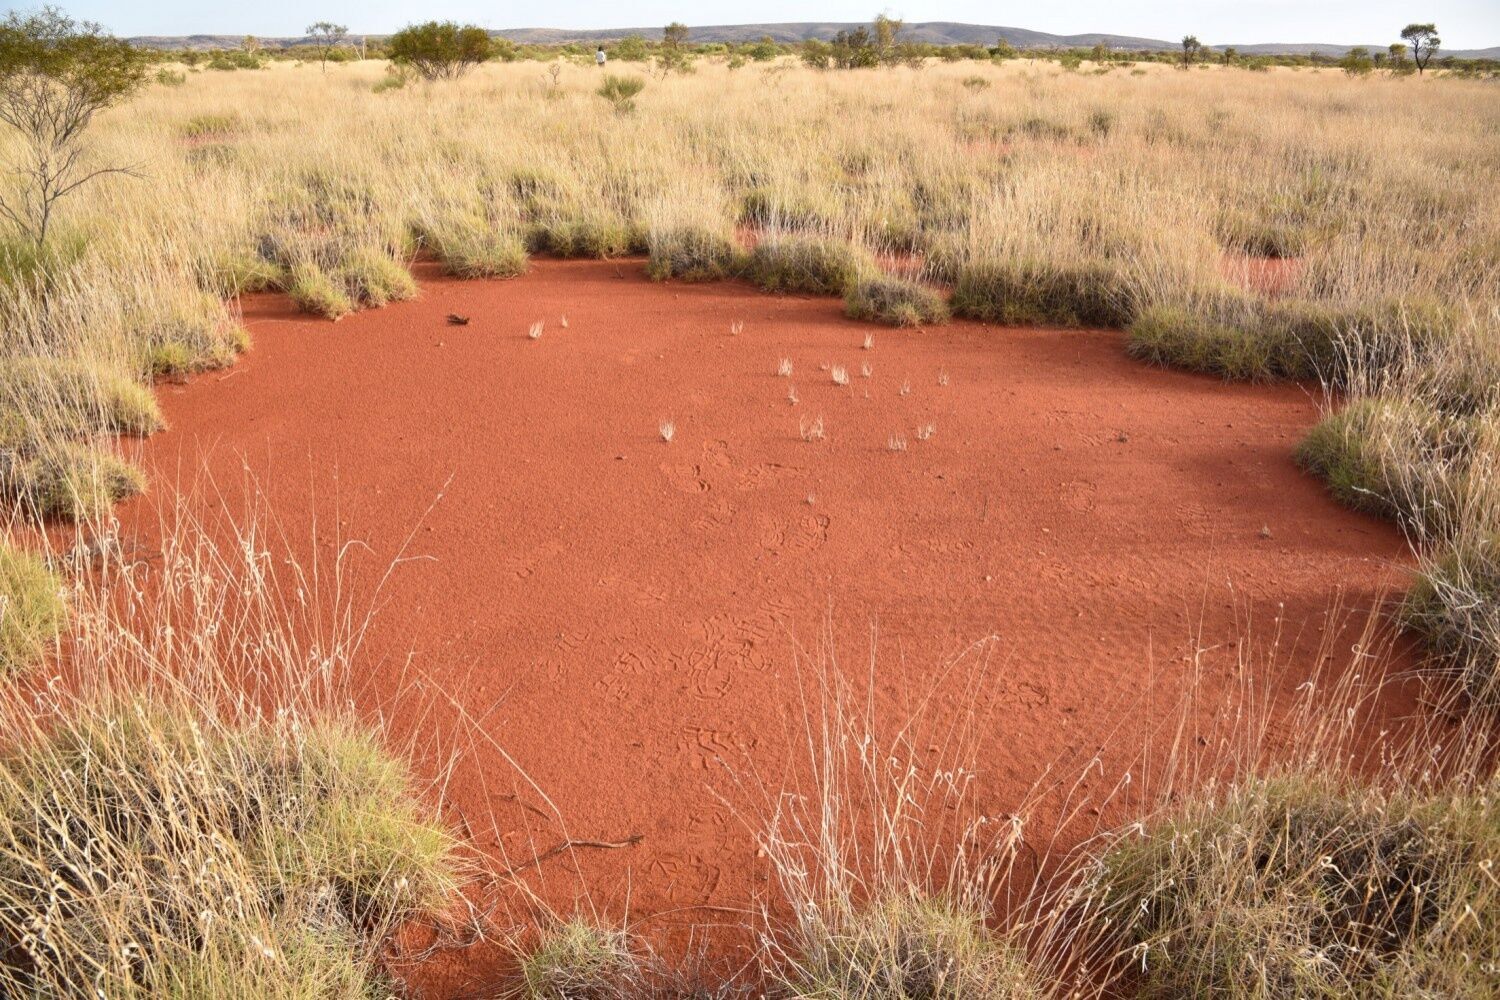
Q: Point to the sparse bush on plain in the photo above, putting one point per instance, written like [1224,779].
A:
[895,301]
[621,92]
[440,50]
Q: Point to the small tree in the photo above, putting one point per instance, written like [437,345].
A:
[673,55]
[55,76]
[1424,43]
[620,92]
[1357,61]
[1190,48]
[440,50]
[326,37]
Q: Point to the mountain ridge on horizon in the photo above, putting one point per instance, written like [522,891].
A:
[931,32]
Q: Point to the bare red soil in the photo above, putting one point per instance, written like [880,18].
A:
[619,613]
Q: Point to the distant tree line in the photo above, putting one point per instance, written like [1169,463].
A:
[436,50]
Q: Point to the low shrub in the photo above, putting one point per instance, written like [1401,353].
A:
[1092,293]
[312,290]
[806,264]
[32,610]
[895,302]
[1396,458]
[200,858]
[1299,887]
[690,255]
[1455,607]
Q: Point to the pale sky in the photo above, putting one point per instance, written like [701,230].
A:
[1463,24]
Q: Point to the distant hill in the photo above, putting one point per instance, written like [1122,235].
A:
[932,32]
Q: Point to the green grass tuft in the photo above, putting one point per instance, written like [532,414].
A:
[1455,607]
[71,482]
[907,945]
[1297,887]
[475,250]
[251,859]
[1403,460]
[895,302]
[690,255]
[78,397]
[578,960]
[808,265]
[312,290]
[32,610]
[1021,293]
[373,278]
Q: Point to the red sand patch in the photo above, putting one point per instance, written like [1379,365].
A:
[617,611]
[1272,277]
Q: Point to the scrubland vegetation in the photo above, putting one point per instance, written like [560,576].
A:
[168,833]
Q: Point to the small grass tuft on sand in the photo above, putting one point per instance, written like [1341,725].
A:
[1398,459]
[579,960]
[895,302]
[372,278]
[32,610]
[471,249]
[904,945]
[313,291]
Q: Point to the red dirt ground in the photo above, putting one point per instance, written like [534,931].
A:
[618,613]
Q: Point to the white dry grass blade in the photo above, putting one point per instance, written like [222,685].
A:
[668,430]
[534,332]
[839,374]
[784,369]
